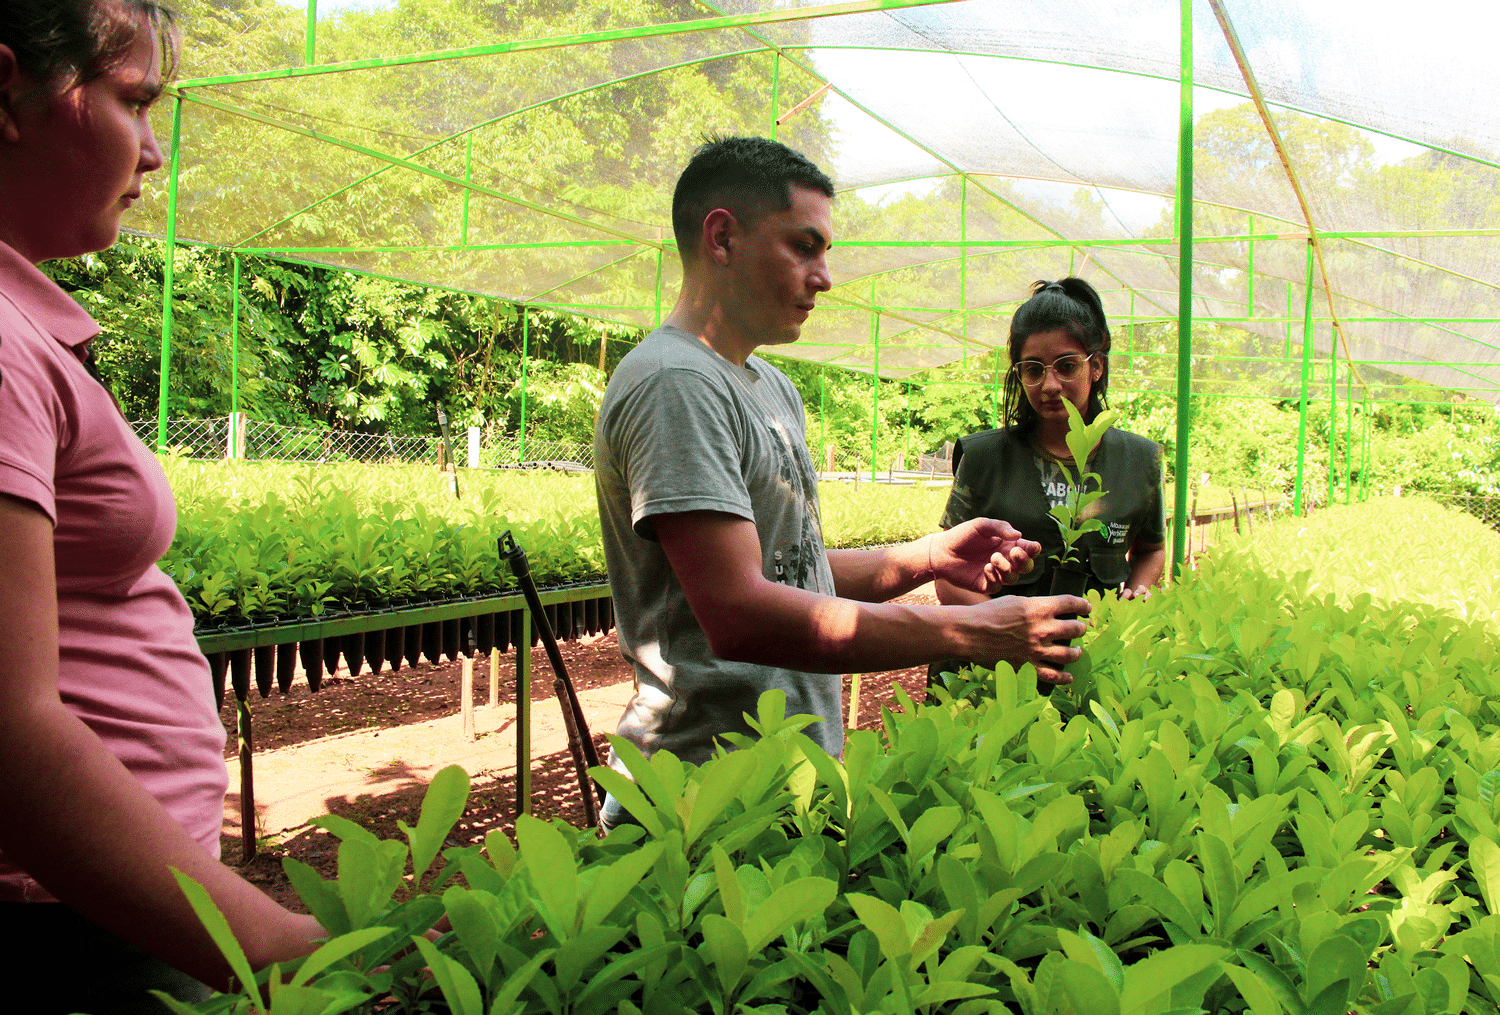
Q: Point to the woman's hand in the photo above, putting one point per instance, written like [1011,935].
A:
[1139,592]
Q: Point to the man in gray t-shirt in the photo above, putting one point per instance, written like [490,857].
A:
[708,498]
[684,429]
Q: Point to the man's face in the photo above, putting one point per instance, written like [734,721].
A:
[778,267]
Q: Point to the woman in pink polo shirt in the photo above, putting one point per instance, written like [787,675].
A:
[111,751]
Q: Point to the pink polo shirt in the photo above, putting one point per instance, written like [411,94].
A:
[128,664]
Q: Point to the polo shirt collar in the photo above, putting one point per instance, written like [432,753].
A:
[43,301]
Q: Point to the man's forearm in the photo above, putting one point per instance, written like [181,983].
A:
[873,576]
[821,634]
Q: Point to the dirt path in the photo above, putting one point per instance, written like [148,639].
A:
[365,748]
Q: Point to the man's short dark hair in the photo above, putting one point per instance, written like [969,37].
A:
[748,176]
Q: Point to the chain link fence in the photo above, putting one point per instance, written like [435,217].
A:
[210,438]
[1486,509]
[847,462]
[506,451]
[262,441]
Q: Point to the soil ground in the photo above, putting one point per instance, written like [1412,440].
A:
[365,747]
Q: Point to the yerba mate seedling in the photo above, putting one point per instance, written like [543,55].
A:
[1083,438]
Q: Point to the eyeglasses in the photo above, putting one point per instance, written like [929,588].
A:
[1067,368]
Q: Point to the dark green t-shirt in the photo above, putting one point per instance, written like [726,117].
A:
[997,474]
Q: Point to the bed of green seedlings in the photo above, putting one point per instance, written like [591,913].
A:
[1256,796]
[1391,549]
[261,541]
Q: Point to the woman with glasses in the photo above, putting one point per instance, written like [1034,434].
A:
[1059,353]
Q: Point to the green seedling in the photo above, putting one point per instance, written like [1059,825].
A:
[1071,515]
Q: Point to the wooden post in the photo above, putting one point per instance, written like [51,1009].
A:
[854,680]
[1236,504]
[466,690]
[828,459]
[495,675]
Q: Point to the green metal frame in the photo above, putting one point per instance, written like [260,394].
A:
[1184,287]
[949,329]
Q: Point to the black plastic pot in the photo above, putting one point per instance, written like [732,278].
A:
[375,651]
[286,666]
[312,663]
[265,669]
[353,647]
[1071,578]
[412,643]
[395,648]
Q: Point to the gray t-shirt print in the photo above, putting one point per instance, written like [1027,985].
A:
[683,429]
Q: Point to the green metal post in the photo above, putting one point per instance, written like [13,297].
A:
[525,352]
[310,37]
[235,439]
[875,375]
[1130,340]
[775,91]
[165,377]
[1307,340]
[1184,284]
[468,178]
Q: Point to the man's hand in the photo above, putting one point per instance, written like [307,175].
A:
[1139,592]
[982,554]
[1022,629]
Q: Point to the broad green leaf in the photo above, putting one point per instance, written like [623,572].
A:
[554,873]
[885,922]
[1259,998]
[458,987]
[321,897]
[726,949]
[218,928]
[344,828]
[506,998]
[475,926]
[615,882]
[1484,861]
[576,955]
[630,796]
[792,903]
[369,873]
[332,951]
[723,781]
[442,806]
[931,828]
[1089,989]
[731,897]
[1158,973]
